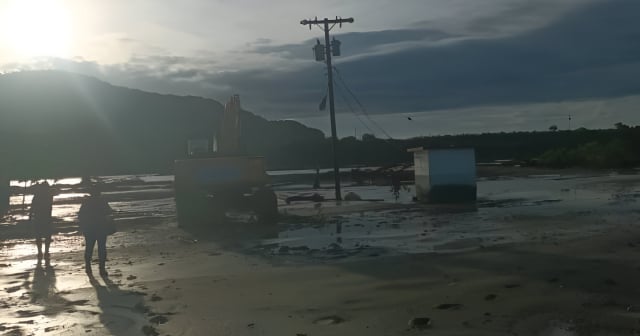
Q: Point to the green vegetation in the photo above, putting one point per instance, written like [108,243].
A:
[621,151]
[607,148]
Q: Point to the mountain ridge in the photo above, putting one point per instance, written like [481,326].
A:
[62,123]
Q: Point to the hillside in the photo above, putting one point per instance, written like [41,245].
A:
[57,123]
[62,124]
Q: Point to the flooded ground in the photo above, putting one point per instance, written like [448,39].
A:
[383,221]
[552,207]
[371,253]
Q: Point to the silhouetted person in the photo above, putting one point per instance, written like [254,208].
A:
[5,191]
[40,216]
[396,184]
[316,183]
[95,224]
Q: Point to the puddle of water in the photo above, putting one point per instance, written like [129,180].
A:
[69,181]
[65,196]
[155,206]
[16,250]
[17,200]
[405,232]
[66,212]
[156,178]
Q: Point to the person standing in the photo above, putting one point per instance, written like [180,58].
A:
[5,193]
[40,217]
[96,224]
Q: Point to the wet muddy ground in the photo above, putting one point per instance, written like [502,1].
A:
[366,259]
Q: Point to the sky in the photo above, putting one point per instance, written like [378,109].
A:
[408,68]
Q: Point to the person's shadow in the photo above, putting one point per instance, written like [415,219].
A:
[44,292]
[43,286]
[123,312]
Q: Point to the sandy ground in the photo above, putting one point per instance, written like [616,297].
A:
[537,255]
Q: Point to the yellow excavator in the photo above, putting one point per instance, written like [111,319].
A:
[217,177]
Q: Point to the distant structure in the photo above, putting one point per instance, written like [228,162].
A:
[445,175]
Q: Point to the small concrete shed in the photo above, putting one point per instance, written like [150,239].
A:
[445,175]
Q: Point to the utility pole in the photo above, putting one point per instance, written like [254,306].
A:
[330,48]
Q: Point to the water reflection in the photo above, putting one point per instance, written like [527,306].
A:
[64,181]
[27,198]
[20,199]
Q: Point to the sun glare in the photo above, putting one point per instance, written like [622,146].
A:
[33,28]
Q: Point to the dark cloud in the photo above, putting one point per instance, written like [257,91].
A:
[356,43]
[590,53]
[518,13]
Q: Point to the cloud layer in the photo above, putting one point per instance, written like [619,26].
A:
[517,53]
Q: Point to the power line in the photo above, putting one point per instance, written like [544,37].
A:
[364,110]
[346,101]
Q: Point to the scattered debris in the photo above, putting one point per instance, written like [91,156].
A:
[449,306]
[633,309]
[327,320]
[150,331]
[351,196]
[49,329]
[13,289]
[420,323]
[490,297]
[139,307]
[159,319]
[313,198]
[77,303]
[283,249]
[27,313]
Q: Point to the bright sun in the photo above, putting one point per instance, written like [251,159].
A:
[35,28]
